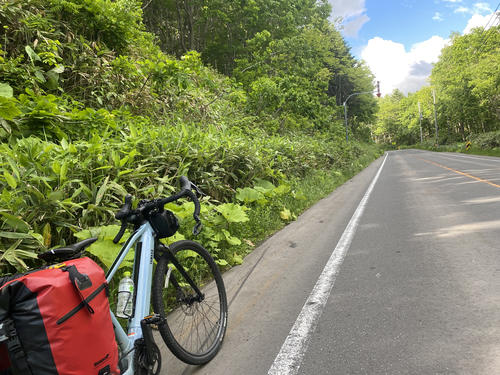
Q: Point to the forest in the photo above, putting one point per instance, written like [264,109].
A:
[101,98]
[464,84]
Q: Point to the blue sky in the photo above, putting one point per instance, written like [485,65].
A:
[400,39]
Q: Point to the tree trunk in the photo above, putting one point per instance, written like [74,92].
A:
[181,26]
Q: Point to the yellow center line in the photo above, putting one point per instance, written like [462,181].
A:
[462,173]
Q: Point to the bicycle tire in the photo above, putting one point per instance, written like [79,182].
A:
[201,268]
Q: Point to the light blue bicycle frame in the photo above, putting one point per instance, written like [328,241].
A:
[143,238]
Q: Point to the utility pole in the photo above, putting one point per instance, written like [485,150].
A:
[420,115]
[435,116]
[345,106]
[345,117]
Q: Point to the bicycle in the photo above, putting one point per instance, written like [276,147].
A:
[180,287]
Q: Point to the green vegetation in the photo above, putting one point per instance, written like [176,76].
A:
[487,144]
[466,80]
[91,108]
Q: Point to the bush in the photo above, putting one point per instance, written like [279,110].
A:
[486,140]
[90,110]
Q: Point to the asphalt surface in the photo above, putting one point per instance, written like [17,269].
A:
[418,291]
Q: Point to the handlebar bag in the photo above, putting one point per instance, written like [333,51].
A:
[58,322]
[164,223]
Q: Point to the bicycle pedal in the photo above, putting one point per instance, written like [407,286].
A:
[154,319]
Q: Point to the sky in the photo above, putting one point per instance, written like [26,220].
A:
[400,39]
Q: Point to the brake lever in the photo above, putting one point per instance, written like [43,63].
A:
[197,228]
[121,232]
[123,215]
[197,189]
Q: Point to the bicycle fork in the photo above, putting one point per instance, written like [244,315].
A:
[170,278]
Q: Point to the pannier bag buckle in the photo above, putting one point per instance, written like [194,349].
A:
[8,334]
[7,330]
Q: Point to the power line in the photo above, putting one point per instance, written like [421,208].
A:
[487,35]
[484,33]
[492,15]
[493,24]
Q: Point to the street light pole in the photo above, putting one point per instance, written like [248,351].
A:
[435,116]
[420,115]
[345,106]
[345,116]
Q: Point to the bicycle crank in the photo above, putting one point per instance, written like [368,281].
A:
[147,359]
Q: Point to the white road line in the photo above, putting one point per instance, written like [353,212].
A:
[293,349]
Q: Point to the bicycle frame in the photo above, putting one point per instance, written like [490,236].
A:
[142,275]
[144,240]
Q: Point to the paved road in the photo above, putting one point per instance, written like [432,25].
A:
[418,291]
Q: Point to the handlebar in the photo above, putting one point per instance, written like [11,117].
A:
[125,210]
[185,183]
[127,215]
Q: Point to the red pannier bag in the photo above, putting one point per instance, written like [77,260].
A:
[57,321]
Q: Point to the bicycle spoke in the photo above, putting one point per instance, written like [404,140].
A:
[195,325]
[206,315]
[213,310]
[200,319]
[198,336]
[213,327]
[206,331]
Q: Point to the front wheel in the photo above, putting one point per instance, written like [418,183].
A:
[195,324]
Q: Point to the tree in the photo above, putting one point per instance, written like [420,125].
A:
[467,79]
[220,29]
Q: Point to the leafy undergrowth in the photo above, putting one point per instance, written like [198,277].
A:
[91,109]
[274,213]
[232,231]
[56,193]
[487,144]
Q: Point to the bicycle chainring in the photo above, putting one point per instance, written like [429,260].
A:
[141,367]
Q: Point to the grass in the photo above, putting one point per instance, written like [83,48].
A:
[477,151]
[460,147]
[266,220]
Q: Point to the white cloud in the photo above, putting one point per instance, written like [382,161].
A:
[408,71]
[437,17]
[388,62]
[477,8]
[482,8]
[351,28]
[352,13]
[477,20]
[397,68]
[347,8]
[462,10]
[428,50]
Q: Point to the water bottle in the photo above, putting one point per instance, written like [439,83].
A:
[125,295]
